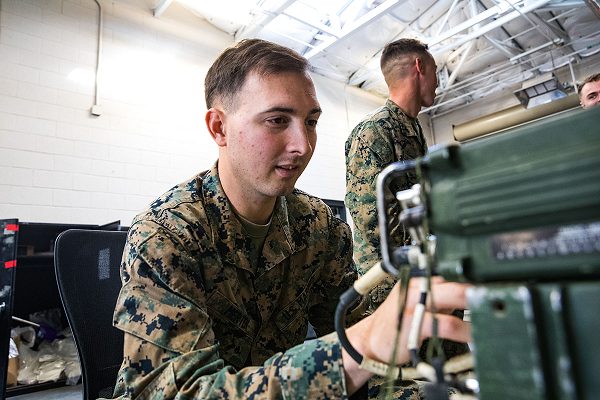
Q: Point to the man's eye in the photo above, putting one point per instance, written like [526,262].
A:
[312,122]
[277,120]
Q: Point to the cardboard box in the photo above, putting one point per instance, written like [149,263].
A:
[12,372]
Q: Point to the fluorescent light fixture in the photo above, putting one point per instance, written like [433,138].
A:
[541,90]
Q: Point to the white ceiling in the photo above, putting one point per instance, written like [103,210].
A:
[481,46]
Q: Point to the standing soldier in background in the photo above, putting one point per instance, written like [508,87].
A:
[389,134]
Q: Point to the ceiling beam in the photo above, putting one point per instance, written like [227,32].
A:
[261,20]
[488,76]
[374,72]
[362,21]
[466,52]
[554,42]
[161,7]
[508,51]
[445,20]
[594,5]
[487,27]
[407,29]
[315,25]
[493,12]
[542,24]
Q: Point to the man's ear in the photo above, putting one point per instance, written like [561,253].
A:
[420,65]
[215,119]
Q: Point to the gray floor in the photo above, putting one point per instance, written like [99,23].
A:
[62,393]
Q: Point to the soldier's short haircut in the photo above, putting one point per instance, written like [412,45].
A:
[229,71]
[399,54]
[591,78]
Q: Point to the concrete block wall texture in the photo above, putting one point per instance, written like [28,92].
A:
[58,163]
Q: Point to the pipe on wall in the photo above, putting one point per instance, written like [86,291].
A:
[96,110]
[510,117]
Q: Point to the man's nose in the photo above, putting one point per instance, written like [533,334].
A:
[298,141]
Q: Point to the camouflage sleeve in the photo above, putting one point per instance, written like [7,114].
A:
[170,351]
[339,264]
[368,151]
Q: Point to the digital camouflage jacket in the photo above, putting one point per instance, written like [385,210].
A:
[383,137]
[201,321]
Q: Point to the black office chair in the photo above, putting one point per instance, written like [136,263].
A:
[87,271]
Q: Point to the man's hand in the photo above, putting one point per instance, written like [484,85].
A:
[374,335]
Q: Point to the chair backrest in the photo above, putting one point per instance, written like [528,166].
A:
[87,271]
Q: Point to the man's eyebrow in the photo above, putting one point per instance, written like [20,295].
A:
[289,110]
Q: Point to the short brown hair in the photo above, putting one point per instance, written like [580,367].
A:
[395,53]
[228,73]
[591,78]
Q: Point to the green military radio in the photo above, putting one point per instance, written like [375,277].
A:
[518,215]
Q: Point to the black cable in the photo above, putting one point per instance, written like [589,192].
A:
[414,357]
[347,299]
[438,366]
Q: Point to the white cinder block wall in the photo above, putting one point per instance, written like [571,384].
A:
[60,164]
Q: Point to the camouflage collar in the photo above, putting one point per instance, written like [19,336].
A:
[228,235]
[406,119]
[399,113]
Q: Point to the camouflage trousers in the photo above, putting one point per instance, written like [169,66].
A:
[401,390]
[398,390]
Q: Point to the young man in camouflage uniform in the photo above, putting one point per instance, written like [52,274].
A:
[223,272]
[389,134]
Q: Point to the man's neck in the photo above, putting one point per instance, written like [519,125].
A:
[409,104]
[256,212]
[405,93]
[256,209]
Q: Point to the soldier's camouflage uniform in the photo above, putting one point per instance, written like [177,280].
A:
[201,321]
[383,137]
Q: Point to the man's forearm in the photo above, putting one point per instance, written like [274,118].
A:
[375,336]
[355,376]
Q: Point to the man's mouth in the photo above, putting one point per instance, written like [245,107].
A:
[288,170]
[287,167]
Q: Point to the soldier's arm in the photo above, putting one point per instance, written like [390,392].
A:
[368,151]
[170,349]
[310,370]
[375,335]
[338,274]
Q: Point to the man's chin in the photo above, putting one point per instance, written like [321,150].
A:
[287,191]
[284,190]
